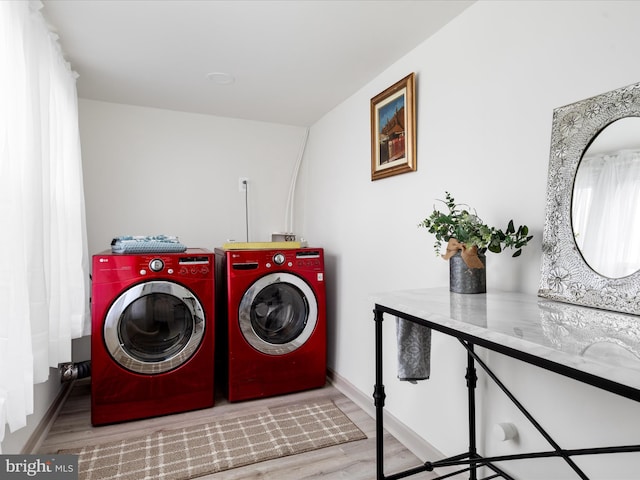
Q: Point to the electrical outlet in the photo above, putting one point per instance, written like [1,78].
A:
[242,184]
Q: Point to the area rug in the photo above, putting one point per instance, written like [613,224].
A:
[191,452]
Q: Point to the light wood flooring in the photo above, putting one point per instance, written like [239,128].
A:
[353,461]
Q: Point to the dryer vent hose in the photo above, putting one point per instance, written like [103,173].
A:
[73,371]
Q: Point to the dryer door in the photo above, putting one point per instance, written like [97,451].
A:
[278,313]
[154,327]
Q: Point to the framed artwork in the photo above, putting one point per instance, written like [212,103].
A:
[393,130]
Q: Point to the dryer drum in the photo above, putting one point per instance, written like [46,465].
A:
[154,327]
[278,313]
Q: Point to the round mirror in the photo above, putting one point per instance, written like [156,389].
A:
[605,209]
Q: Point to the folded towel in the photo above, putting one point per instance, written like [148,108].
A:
[148,244]
[414,350]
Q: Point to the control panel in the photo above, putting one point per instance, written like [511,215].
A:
[183,266]
[308,259]
[152,265]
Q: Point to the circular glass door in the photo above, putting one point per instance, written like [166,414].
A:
[278,313]
[154,327]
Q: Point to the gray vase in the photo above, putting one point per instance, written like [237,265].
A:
[463,279]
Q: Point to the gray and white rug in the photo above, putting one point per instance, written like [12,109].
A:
[194,451]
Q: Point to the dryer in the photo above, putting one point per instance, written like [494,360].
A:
[152,334]
[271,328]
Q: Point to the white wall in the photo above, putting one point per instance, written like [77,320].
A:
[487,84]
[150,171]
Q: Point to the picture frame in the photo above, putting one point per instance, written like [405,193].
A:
[393,130]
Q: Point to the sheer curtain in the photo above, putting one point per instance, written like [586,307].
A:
[606,213]
[44,279]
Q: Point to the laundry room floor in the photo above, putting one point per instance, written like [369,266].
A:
[355,460]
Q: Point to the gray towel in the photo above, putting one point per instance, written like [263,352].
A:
[414,351]
[148,244]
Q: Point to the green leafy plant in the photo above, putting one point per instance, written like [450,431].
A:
[464,225]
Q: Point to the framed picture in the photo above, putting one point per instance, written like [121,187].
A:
[393,130]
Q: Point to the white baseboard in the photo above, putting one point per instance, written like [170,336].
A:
[42,429]
[410,439]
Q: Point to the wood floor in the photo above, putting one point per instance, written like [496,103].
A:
[353,461]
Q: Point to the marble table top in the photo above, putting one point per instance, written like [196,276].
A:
[594,346]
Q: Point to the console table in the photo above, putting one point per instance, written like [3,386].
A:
[551,335]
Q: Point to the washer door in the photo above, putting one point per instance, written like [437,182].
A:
[154,327]
[278,313]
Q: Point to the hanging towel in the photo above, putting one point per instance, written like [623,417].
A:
[150,244]
[414,350]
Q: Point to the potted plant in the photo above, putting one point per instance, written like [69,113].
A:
[468,238]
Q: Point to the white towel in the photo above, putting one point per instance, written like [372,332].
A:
[414,351]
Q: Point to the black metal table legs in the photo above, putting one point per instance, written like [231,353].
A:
[378,399]
[472,380]
[470,461]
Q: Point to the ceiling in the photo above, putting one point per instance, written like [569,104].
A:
[291,61]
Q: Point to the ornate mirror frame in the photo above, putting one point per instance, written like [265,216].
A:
[565,275]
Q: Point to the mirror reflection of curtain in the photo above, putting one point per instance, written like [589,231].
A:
[606,212]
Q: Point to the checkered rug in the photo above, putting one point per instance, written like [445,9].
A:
[219,445]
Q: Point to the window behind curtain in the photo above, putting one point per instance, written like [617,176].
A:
[43,248]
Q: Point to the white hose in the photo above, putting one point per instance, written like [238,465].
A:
[288,218]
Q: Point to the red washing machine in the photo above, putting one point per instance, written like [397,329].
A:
[152,334]
[271,321]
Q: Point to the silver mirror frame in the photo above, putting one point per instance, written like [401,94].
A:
[565,275]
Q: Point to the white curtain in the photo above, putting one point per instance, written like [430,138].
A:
[606,212]
[44,279]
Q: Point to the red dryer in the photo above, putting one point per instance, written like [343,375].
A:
[271,324]
[152,337]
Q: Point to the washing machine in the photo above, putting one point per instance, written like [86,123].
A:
[271,328]
[152,334]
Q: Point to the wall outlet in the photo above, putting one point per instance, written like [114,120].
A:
[242,184]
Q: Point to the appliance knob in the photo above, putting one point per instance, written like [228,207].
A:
[278,258]
[156,265]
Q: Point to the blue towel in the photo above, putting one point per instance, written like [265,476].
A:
[414,351]
[148,244]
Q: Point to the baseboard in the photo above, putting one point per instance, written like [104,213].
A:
[410,439]
[40,432]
